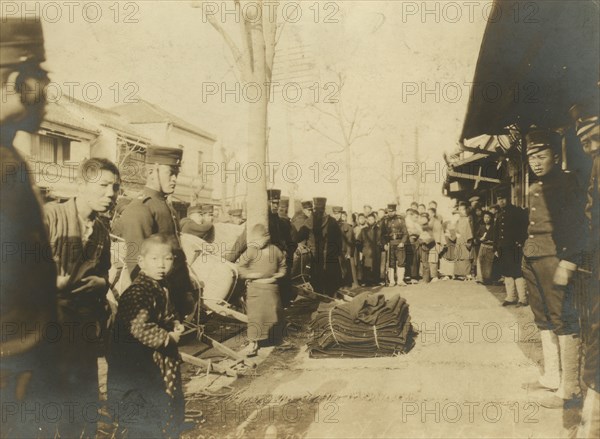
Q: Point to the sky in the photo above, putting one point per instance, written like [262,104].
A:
[407,67]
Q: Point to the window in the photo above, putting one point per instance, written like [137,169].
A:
[51,149]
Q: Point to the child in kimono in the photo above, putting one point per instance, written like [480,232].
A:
[262,265]
[427,251]
[144,378]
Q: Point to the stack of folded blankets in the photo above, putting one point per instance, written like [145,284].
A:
[368,326]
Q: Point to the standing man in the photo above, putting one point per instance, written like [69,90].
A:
[510,232]
[300,218]
[29,360]
[552,253]
[325,241]
[280,231]
[587,126]
[199,222]
[348,271]
[284,206]
[395,239]
[80,240]
[151,213]
[370,245]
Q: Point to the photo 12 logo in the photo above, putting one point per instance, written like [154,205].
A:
[72,12]
[254,12]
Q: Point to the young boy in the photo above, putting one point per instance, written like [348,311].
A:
[144,379]
[262,265]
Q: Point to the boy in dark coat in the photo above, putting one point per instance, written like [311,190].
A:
[144,378]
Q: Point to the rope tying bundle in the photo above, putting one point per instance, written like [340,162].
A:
[331,325]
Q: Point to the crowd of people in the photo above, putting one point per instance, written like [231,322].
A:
[57,276]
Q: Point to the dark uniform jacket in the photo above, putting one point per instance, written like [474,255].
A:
[280,231]
[556,220]
[297,222]
[27,298]
[325,243]
[510,227]
[394,231]
[145,216]
[28,280]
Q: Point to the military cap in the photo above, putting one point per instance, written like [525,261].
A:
[207,208]
[344,212]
[503,193]
[474,199]
[539,139]
[337,209]
[585,116]
[392,207]
[194,209]
[164,155]
[320,202]
[235,212]
[21,41]
[284,202]
[273,194]
[368,205]
[307,204]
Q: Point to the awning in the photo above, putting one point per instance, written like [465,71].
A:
[536,60]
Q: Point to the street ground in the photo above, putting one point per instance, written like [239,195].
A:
[462,379]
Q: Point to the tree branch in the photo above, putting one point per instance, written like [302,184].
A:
[235,51]
[311,126]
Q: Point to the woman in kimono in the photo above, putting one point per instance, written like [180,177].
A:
[464,245]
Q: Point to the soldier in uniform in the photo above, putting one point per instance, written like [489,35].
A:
[348,272]
[552,252]
[300,218]
[284,205]
[151,213]
[28,282]
[280,231]
[324,238]
[587,125]
[510,232]
[395,238]
[199,222]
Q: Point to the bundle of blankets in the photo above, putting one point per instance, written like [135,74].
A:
[368,326]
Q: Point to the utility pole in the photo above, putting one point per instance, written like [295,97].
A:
[418,194]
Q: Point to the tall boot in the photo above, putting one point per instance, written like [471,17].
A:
[521,286]
[390,275]
[569,388]
[550,348]
[589,427]
[400,273]
[570,361]
[511,292]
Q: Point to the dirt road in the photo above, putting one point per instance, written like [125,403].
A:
[462,379]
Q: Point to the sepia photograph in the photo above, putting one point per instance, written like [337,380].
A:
[310,219]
